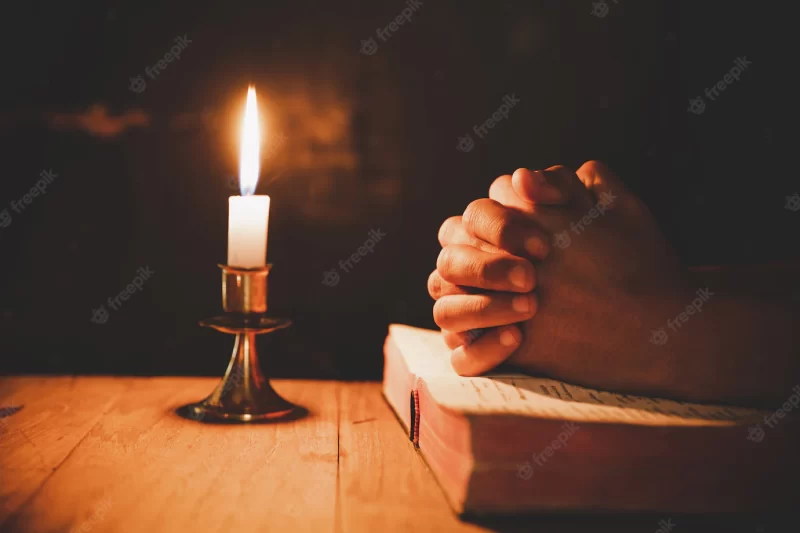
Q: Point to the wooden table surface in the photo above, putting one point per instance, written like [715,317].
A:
[110,454]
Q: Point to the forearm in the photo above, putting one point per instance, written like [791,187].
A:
[741,348]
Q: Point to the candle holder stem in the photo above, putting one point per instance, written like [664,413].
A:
[244,394]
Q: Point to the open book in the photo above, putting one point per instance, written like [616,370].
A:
[513,443]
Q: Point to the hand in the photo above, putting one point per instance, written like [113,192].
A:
[609,277]
[475,281]
[478,286]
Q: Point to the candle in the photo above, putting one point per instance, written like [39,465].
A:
[248,214]
[248,220]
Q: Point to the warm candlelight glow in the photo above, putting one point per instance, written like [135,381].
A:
[249,162]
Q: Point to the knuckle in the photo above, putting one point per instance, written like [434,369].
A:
[446,261]
[482,270]
[435,285]
[591,165]
[498,266]
[473,213]
[498,183]
[539,246]
[442,313]
[481,218]
[476,304]
[502,228]
[596,167]
[447,229]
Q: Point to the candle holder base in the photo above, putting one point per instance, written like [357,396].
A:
[243,394]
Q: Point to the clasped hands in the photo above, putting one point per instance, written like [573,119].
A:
[556,272]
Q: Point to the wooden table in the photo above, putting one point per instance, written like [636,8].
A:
[109,454]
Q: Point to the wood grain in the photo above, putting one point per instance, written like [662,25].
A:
[383,483]
[56,414]
[109,454]
[143,468]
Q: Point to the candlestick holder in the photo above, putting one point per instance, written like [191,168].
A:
[244,394]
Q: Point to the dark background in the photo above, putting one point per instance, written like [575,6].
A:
[354,142]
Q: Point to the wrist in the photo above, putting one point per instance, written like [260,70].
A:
[659,319]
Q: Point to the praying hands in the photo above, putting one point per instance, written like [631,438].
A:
[567,274]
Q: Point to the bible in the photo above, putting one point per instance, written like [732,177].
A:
[512,443]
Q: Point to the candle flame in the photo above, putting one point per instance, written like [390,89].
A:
[251,140]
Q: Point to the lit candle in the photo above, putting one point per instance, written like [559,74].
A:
[248,214]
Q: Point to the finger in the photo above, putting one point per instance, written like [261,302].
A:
[438,287]
[455,339]
[535,187]
[507,229]
[556,185]
[548,216]
[452,339]
[452,232]
[490,350]
[606,186]
[535,193]
[502,191]
[464,265]
[461,312]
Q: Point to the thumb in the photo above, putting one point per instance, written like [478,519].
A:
[532,187]
[554,186]
[607,187]
[502,191]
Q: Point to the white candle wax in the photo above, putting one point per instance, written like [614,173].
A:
[248,221]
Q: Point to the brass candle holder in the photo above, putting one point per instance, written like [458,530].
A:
[244,394]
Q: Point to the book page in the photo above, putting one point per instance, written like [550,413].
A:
[546,398]
[428,358]
[424,350]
